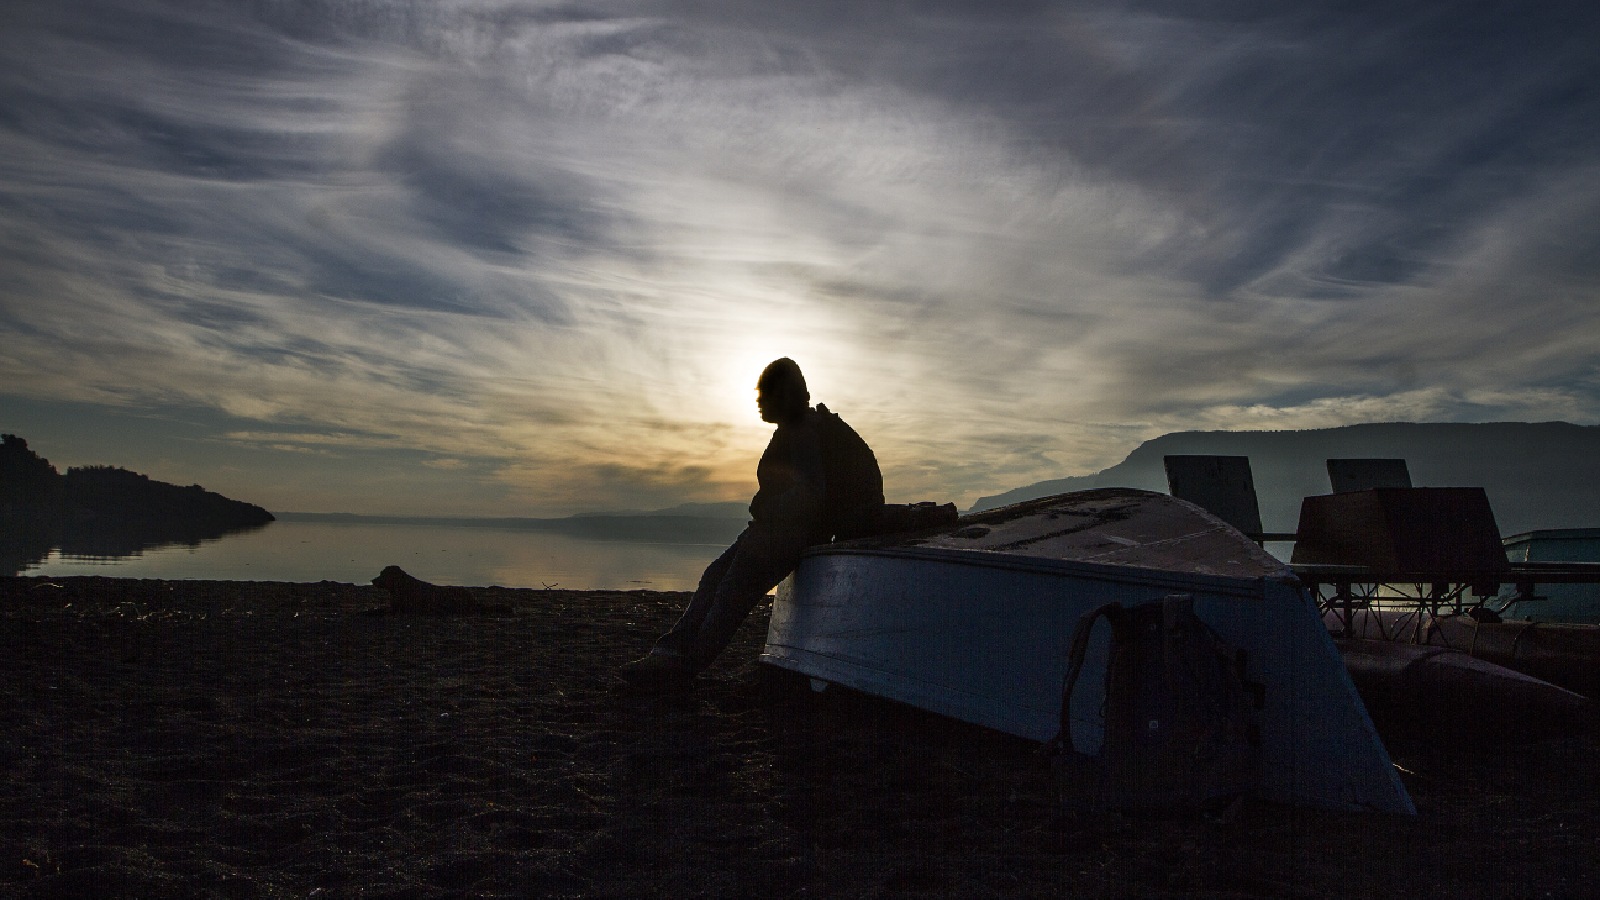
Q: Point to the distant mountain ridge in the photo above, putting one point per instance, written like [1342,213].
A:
[725,510]
[1537,475]
[687,523]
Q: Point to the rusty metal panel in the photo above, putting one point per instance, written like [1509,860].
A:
[1220,485]
[1348,475]
[1449,532]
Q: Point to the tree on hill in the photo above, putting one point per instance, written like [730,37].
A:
[102,510]
[111,492]
[27,480]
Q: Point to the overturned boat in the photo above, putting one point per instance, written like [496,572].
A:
[1566,655]
[1446,689]
[977,621]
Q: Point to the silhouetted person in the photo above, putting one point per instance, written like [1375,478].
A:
[817,481]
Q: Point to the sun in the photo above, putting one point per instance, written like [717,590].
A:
[745,338]
[735,378]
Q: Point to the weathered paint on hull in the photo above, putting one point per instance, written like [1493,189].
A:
[983,637]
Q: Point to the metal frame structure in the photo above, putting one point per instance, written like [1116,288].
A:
[1344,589]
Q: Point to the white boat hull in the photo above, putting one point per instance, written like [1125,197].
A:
[984,637]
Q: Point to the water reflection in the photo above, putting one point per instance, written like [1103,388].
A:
[26,547]
[21,548]
[354,553]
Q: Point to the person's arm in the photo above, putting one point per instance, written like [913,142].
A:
[802,503]
[792,479]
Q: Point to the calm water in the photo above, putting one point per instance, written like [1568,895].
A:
[354,553]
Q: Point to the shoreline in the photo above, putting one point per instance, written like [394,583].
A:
[267,739]
[300,552]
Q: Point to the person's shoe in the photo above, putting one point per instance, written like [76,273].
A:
[658,673]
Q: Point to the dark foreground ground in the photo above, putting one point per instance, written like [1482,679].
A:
[171,739]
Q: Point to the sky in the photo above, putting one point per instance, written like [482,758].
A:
[492,257]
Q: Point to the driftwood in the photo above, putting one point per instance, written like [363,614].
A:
[413,596]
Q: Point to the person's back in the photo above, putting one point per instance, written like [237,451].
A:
[854,492]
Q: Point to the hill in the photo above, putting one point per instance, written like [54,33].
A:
[1537,475]
[102,510]
[31,488]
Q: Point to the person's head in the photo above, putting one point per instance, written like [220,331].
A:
[781,393]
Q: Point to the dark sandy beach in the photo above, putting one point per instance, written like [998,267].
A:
[232,739]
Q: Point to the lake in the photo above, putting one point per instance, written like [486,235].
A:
[479,556]
[443,554]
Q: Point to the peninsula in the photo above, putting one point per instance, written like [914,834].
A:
[102,510]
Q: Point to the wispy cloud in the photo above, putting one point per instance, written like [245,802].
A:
[547,249]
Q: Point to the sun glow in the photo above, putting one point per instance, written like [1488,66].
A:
[734,379]
[758,332]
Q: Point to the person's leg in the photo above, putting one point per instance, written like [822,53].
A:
[666,669]
[680,639]
[761,558]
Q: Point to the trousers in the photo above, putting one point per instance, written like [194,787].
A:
[729,589]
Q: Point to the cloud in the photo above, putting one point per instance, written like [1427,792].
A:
[544,250]
[451,465]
